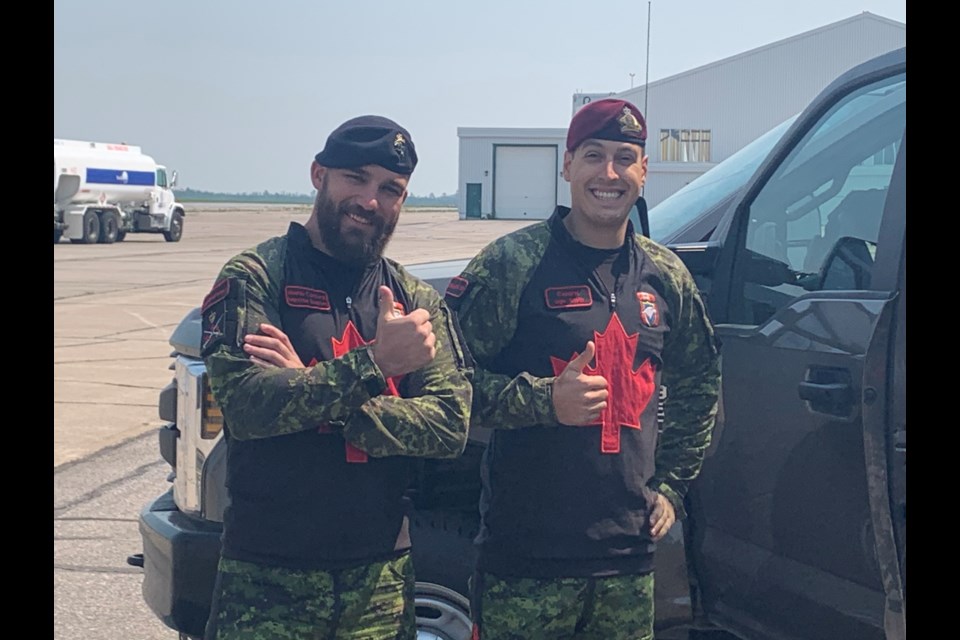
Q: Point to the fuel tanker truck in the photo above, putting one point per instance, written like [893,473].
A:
[103,191]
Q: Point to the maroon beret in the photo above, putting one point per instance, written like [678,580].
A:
[607,119]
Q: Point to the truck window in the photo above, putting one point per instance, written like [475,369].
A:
[691,201]
[813,226]
[161,178]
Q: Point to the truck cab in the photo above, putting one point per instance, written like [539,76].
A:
[797,525]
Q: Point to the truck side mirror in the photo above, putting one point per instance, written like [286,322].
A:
[173,179]
[848,265]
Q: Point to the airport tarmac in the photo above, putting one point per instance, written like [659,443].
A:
[115,307]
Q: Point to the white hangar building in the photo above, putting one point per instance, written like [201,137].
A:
[695,119]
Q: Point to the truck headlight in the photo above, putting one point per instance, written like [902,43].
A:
[211,423]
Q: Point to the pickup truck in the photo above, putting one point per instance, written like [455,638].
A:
[797,522]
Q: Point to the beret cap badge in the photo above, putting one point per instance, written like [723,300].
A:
[399,143]
[628,122]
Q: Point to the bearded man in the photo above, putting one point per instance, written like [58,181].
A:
[335,370]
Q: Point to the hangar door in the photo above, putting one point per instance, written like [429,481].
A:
[525,181]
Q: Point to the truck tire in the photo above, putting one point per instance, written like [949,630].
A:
[121,235]
[109,227]
[57,234]
[176,228]
[91,229]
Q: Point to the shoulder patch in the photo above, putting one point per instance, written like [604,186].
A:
[457,287]
[219,314]
[571,297]
[219,291]
[649,314]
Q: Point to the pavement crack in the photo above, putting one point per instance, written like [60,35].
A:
[80,568]
[104,404]
[139,287]
[91,360]
[104,488]
[91,519]
[106,384]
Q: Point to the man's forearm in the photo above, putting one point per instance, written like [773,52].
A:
[502,402]
[260,402]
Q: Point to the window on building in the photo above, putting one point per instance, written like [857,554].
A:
[684,145]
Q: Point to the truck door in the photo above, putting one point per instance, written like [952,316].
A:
[784,541]
[164,194]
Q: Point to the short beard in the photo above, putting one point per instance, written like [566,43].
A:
[351,248]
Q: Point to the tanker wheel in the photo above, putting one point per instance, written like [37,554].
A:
[57,234]
[121,235]
[91,229]
[176,228]
[109,227]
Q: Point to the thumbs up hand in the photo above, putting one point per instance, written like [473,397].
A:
[404,343]
[578,398]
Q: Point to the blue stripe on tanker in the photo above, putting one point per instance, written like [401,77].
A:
[121,176]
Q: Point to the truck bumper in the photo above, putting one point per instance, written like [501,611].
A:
[180,556]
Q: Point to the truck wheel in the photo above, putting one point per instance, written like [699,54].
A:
[91,229]
[109,227]
[176,228]
[442,614]
[121,235]
[57,234]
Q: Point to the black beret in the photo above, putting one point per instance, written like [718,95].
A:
[607,119]
[369,140]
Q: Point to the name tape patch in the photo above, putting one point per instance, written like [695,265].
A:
[574,297]
[306,298]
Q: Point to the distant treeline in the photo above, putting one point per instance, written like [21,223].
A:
[267,197]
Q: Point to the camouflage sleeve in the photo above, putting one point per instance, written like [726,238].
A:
[432,417]
[260,402]
[691,375]
[486,297]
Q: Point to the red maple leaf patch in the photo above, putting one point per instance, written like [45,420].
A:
[629,391]
[351,339]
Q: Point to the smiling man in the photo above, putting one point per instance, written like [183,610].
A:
[335,369]
[578,326]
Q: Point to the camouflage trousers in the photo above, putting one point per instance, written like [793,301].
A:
[614,608]
[255,602]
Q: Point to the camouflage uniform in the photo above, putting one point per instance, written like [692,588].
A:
[562,608]
[556,504]
[372,602]
[319,458]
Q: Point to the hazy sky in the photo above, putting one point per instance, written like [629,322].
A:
[239,95]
